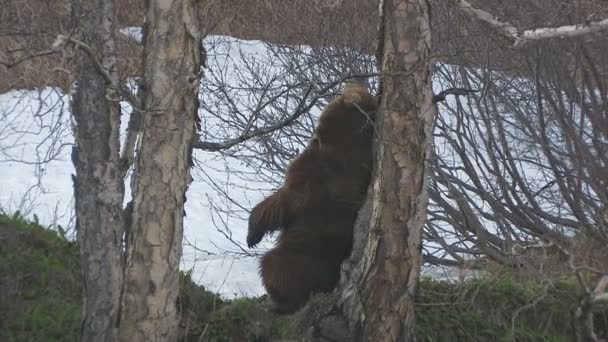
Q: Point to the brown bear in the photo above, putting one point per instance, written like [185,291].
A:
[316,207]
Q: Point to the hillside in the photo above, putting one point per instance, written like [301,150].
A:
[40,301]
[26,61]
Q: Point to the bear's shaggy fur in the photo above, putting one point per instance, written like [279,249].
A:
[316,207]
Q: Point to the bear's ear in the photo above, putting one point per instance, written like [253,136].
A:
[355,91]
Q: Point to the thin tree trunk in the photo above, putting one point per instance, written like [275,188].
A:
[98,188]
[377,288]
[171,81]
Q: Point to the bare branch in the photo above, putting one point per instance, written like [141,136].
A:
[562,31]
[42,53]
[452,91]
[504,27]
[523,37]
[215,146]
[61,43]
[300,110]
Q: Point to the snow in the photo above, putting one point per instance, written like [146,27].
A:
[35,122]
[35,127]
[27,120]
[47,191]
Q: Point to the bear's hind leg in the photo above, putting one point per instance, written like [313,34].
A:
[283,280]
[290,277]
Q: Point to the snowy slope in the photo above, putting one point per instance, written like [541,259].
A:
[47,191]
[35,126]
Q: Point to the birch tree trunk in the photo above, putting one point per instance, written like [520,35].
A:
[171,81]
[380,280]
[98,188]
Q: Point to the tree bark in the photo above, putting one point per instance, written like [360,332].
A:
[98,188]
[377,288]
[171,81]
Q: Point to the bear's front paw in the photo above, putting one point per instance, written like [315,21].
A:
[255,233]
[254,237]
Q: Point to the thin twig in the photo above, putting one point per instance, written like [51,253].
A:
[452,91]
[218,146]
[63,40]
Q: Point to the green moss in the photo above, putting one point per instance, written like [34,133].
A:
[499,309]
[40,287]
[247,319]
[40,277]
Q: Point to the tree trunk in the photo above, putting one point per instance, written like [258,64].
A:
[98,188]
[171,82]
[378,286]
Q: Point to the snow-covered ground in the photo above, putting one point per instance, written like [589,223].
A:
[35,127]
[46,191]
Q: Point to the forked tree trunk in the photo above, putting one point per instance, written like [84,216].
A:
[377,288]
[171,80]
[98,188]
